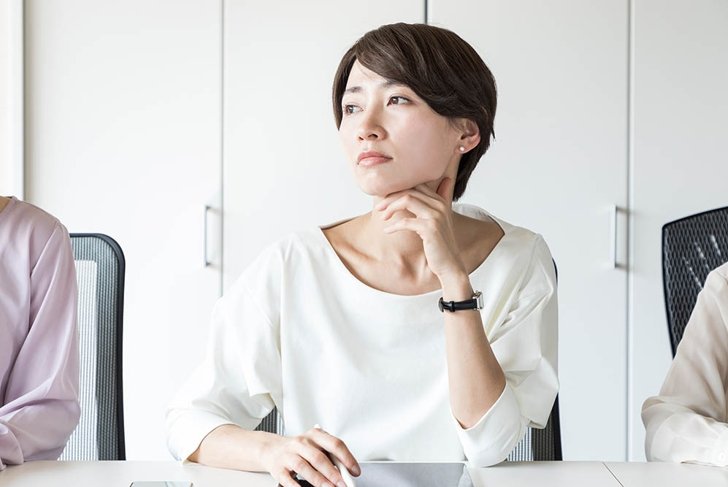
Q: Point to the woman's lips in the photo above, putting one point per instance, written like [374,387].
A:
[371,158]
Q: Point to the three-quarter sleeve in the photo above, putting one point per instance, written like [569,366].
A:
[687,421]
[525,343]
[40,409]
[239,381]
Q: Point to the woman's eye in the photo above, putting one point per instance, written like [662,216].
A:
[349,109]
[398,100]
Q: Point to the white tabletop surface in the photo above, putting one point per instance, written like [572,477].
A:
[121,474]
[509,474]
[668,474]
[543,474]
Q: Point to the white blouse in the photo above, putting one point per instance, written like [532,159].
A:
[298,331]
[687,421]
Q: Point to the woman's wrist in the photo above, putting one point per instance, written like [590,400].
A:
[456,287]
[268,443]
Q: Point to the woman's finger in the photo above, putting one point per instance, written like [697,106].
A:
[336,447]
[285,479]
[417,204]
[400,194]
[320,461]
[410,224]
[305,470]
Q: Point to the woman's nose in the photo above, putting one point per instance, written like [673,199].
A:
[370,127]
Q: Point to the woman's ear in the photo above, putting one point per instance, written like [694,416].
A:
[469,134]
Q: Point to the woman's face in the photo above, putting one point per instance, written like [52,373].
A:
[393,139]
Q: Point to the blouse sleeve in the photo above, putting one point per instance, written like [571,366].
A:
[525,344]
[687,421]
[41,409]
[239,381]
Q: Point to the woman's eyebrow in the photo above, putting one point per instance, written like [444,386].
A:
[383,84]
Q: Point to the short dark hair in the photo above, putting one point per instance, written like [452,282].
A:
[440,67]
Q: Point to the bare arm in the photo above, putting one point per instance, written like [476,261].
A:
[308,455]
[475,377]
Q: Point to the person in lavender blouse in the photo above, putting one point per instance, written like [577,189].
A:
[39,368]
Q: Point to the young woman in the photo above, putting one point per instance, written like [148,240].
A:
[417,331]
[38,340]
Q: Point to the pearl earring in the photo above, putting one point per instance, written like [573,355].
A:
[462,149]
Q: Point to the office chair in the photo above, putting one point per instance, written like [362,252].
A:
[691,248]
[541,444]
[100,269]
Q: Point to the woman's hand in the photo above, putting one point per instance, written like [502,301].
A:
[432,221]
[308,455]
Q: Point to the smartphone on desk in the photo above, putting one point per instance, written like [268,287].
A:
[161,483]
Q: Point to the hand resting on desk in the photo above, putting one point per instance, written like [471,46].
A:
[307,455]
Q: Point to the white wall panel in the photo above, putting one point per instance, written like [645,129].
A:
[11,98]
[123,137]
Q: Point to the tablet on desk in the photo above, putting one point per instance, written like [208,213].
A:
[394,474]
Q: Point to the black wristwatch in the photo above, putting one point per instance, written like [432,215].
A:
[476,302]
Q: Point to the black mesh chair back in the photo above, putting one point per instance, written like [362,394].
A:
[537,445]
[100,275]
[541,444]
[691,248]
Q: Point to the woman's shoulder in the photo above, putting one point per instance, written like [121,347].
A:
[308,242]
[29,226]
[287,252]
[29,232]
[19,215]
[520,255]
[516,236]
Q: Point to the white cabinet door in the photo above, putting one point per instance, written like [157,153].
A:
[680,135]
[283,167]
[558,166]
[123,106]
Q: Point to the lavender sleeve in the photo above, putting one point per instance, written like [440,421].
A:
[39,409]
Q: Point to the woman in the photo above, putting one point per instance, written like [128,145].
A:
[340,325]
[38,342]
[688,421]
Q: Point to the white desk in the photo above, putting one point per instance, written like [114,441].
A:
[668,474]
[526,474]
[121,474]
[543,474]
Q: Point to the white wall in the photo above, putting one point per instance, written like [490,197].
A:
[124,123]
[11,98]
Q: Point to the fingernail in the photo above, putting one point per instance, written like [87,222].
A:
[357,470]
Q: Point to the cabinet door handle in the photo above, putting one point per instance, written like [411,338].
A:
[613,225]
[207,261]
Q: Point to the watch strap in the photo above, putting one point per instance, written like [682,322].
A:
[474,303]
